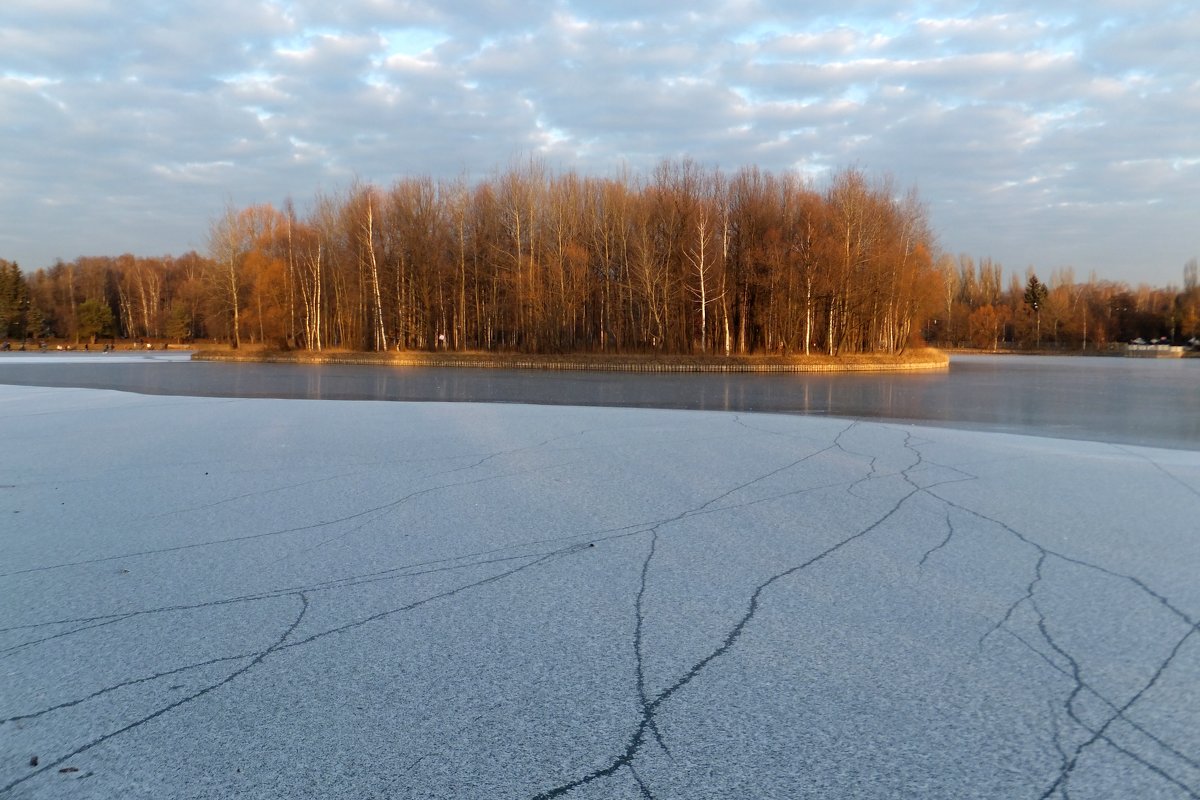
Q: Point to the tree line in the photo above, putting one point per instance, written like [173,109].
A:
[682,260]
[977,309]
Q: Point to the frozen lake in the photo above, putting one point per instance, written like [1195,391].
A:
[1133,401]
[227,597]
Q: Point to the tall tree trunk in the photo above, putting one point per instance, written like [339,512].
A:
[380,337]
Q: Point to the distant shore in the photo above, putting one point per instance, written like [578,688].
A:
[923,359]
[1118,350]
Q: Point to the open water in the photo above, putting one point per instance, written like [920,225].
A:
[1122,400]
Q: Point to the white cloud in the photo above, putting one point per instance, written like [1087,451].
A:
[99,98]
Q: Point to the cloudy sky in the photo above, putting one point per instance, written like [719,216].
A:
[1039,132]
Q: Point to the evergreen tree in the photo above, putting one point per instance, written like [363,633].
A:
[95,318]
[14,300]
[1035,294]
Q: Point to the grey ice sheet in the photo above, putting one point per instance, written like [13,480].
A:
[209,598]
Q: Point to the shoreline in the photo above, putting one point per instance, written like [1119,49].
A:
[925,359]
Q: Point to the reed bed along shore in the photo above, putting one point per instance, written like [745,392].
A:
[912,360]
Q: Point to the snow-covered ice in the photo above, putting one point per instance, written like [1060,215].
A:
[216,598]
[98,357]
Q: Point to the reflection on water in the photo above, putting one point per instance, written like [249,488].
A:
[1155,402]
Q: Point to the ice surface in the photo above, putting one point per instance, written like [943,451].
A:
[96,357]
[281,598]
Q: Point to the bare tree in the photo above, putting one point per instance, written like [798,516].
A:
[227,245]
